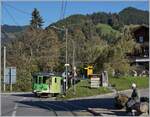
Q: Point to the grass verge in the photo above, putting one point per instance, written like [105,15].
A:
[82,89]
[126,82]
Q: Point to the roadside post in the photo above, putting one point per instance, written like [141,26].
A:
[66,38]
[64,87]
[74,68]
[4,68]
[10,78]
[66,72]
[66,65]
[105,79]
[74,80]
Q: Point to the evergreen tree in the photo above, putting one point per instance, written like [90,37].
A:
[37,21]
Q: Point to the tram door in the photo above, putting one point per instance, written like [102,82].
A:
[55,85]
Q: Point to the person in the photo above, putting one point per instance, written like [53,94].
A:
[134,95]
[134,98]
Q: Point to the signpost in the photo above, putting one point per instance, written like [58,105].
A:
[105,79]
[95,81]
[4,67]
[10,76]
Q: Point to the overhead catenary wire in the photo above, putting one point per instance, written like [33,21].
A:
[3,31]
[11,16]
[17,9]
[20,10]
[61,10]
[65,7]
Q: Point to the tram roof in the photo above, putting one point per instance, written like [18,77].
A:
[44,74]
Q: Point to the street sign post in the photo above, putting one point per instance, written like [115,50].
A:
[4,68]
[10,77]
[95,80]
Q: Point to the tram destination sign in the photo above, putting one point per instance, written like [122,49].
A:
[10,77]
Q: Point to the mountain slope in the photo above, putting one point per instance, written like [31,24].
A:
[127,16]
[12,29]
[132,15]
[9,33]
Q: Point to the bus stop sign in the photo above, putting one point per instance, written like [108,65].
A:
[10,77]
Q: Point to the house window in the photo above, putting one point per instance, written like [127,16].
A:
[146,52]
[141,39]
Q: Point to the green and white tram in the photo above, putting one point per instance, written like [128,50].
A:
[46,83]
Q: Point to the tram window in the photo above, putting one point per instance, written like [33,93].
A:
[55,80]
[41,80]
[36,80]
[47,80]
[44,80]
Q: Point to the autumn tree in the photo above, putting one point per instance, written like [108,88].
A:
[117,58]
[34,51]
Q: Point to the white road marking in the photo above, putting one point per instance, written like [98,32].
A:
[16,106]
[14,113]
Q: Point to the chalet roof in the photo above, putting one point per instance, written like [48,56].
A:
[136,27]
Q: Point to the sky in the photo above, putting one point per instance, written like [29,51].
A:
[19,13]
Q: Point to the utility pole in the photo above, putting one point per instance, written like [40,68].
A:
[4,78]
[74,68]
[10,81]
[66,65]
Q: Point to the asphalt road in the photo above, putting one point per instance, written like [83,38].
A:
[25,104]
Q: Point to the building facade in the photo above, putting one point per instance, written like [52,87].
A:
[140,56]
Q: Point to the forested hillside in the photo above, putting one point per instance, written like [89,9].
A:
[134,16]
[125,17]
[11,29]
[11,32]
[101,39]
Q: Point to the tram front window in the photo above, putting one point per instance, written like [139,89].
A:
[36,80]
[44,80]
[40,80]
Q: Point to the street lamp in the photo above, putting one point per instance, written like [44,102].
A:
[66,64]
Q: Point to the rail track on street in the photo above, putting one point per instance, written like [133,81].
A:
[54,107]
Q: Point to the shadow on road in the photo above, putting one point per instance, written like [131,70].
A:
[24,95]
[104,105]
